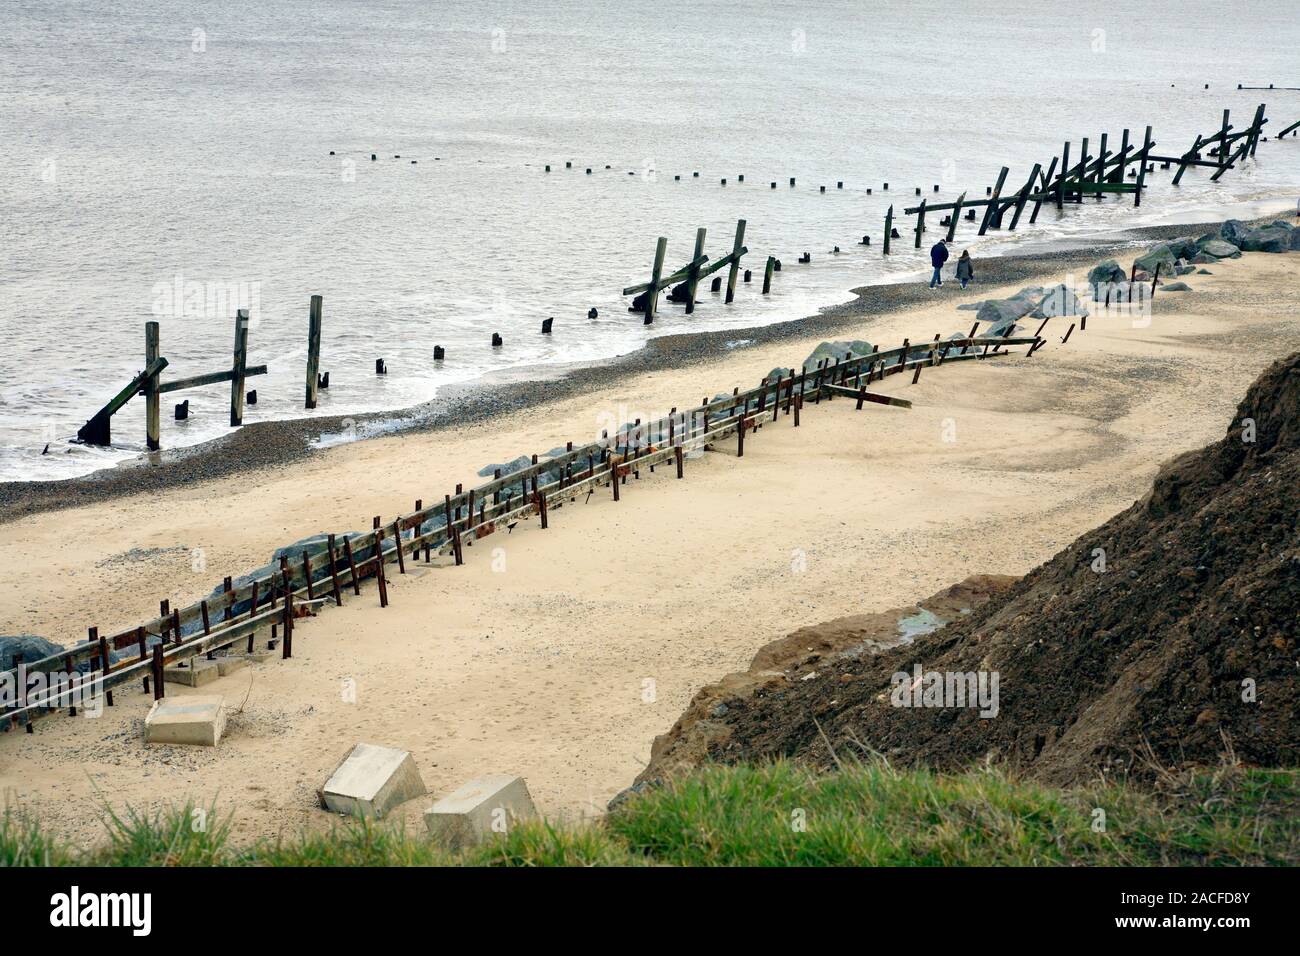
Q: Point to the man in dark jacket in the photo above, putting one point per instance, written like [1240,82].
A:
[938,256]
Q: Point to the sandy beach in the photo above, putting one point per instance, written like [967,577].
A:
[560,654]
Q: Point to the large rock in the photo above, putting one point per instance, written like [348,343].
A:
[1275,237]
[1176,287]
[1058,300]
[1232,231]
[1219,249]
[31,647]
[1183,248]
[998,314]
[1106,273]
[372,780]
[1161,257]
[835,350]
[470,814]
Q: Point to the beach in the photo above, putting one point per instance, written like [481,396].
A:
[559,654]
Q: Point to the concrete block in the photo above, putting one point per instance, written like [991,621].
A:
[478,809]
[259,655]
[372,780]
[194,673]
[197,720]
[228,665]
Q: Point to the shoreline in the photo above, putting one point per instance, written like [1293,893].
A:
[271,444]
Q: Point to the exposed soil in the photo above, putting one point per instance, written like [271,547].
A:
[1181,651]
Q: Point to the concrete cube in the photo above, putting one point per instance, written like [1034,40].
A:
[193,673]
[228,665]
[197,720]
[478,809]
[372,780]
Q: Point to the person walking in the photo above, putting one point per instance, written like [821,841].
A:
[938,256]
[965,268]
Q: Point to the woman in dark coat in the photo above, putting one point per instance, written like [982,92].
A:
[965,268]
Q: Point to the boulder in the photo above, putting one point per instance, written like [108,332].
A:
[1184,270]
[1220,249]
[1176,287]
[1161,257]
[1058,300]
[1275,237]
[835,350]
[1107,272]
[997,314]
[1204,272]
[970,307]
[1183,248]
[1232,231]
[31,647]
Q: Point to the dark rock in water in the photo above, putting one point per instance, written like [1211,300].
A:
[1219,249]
[1106,272]
[1160,256]
[31,647]
[1176,287]
[1275,237]
[997,314]
[638,303]
[1204,272]
[678,293]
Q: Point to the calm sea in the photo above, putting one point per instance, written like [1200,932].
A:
[164,160]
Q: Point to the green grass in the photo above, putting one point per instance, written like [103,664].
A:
[777,815]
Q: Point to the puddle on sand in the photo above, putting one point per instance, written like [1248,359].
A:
[918,624]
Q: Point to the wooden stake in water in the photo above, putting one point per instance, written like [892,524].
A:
[237,370]
[693,279]
[313,349]
[737,250]
[151,402]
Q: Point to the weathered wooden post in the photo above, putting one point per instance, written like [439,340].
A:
[1042,192]
[313,349]
[652,293]
[956,214]
[889,227]
[993,202]
[240,364]
[693,277]
[151,401]
[157,669]
[1142,167]
[1024,194]
[1065,172]
[737,249]
[920,223]
[767,274]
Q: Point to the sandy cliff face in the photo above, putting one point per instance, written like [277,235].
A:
[1165,637]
